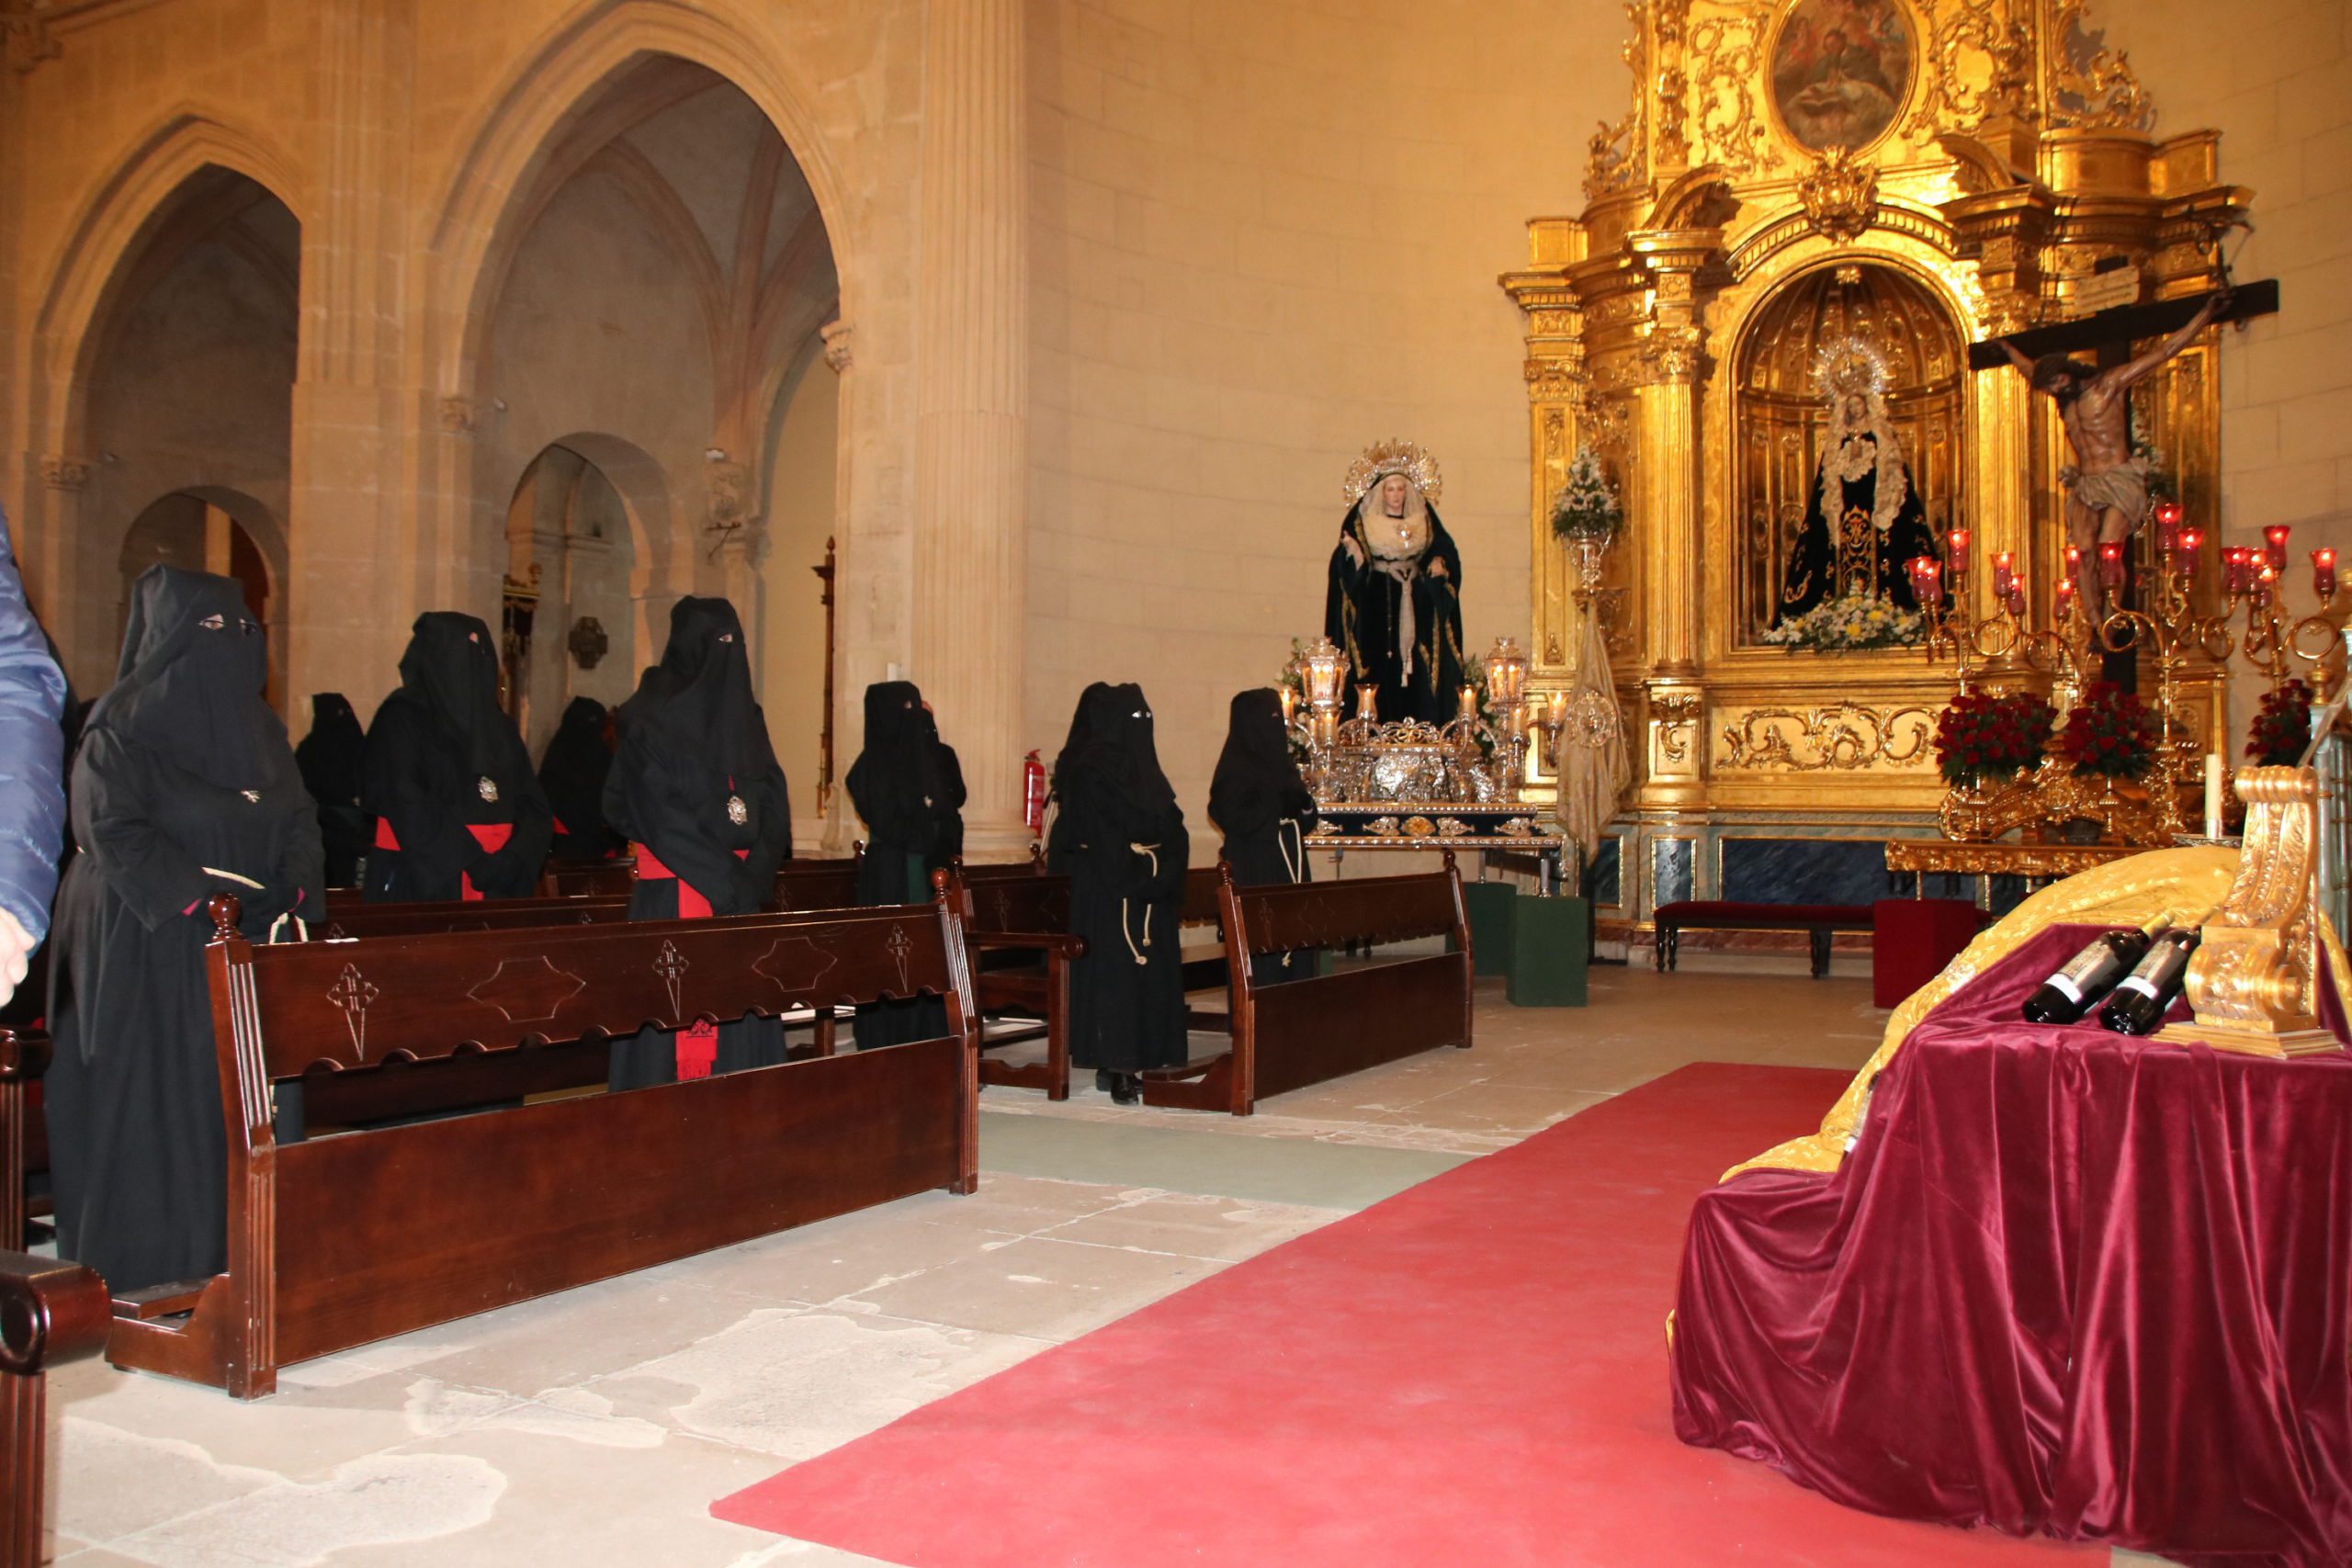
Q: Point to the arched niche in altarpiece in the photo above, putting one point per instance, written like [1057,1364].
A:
[1780,417]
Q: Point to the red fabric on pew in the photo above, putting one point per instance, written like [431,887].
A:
[1912,938]
[1470,1372]
[2065,1283]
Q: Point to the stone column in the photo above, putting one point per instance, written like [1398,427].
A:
[356,578]
[971,370]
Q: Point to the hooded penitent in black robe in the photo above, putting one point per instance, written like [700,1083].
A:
[897,790]
[330,759]
[951,795]
[1265,809]
[572,774]
[1120,838]
[459,811]
[697,791]
[1366,610]
[1857,554]
[185,788]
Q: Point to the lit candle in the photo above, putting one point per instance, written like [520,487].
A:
[2004,573]
[1925,570]
[2110,564]
[2016,599]
[2266,584]
[1290,704]
[1956,544]
[2324,572]
[2233,571]
[1469,702]
[2191,541]
[1559,709]
[2213,795]
[2168,528]
[2066,594]
[2073,562]
[2275,538]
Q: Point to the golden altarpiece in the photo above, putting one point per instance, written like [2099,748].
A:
[1920,173]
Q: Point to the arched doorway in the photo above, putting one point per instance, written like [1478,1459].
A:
[572,541]
[190,379]
[222,532]
[1781,416]
[659,280]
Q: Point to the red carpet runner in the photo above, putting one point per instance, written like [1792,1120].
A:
[1473,1371]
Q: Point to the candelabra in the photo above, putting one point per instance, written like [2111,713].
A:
[2167,623]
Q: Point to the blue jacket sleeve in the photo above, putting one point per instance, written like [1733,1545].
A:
[32,756]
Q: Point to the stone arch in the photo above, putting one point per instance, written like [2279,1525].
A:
[475,216]
[119,216]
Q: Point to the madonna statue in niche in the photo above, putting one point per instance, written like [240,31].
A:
[1864,520]
[1840,70]
[1394,603]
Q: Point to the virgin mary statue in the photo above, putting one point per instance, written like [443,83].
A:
[1863,520]
[1393,601]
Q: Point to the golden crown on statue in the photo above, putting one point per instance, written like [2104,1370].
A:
[1850,365]
[1382,458]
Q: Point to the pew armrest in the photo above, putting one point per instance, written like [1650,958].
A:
[51,1312]
[24,1055]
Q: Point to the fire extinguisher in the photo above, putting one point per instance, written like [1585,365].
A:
[1032,794]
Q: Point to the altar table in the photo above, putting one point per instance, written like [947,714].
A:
[2065,1283]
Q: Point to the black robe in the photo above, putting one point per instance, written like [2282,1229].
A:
[460,812]
[1825,557]
[899,791]
[1265,809]
[1120,838]
[696,788]
[1364,610]
[330,758]
[572,774]
[184,774]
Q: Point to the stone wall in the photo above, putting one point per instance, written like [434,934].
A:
[1266,234]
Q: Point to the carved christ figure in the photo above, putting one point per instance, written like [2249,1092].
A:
[2107,487]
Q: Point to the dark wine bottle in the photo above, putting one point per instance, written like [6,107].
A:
[2142,997]
[2091,974]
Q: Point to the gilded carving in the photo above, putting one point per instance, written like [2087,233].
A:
[1844,737]
[2092,85]
[1676,713]
[2253,979]
[1840,196]
[1549,379]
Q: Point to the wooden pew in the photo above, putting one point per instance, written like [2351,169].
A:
[24,1057]
[1304,1032]
[606,877]
[51,1312]
[355,1237]
[1016,923]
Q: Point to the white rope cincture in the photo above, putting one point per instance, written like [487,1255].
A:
[1150,853]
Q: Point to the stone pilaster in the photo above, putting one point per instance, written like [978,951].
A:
[359,574]
[971,377]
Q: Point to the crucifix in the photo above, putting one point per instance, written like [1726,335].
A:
[2107,490]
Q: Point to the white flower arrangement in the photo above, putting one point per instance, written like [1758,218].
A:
[1588,507]
[1842,625]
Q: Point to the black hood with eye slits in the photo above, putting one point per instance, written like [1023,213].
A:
[189,683]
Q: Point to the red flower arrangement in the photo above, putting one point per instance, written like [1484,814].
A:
[2111,732]
[2283,728]
[1983,736]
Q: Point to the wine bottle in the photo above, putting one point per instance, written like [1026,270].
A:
[2091,974]
[2142,999]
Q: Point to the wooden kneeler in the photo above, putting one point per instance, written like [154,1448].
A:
[1307,1031]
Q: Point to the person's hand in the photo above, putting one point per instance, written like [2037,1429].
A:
[16,951]
[1437,567]
[1353,546]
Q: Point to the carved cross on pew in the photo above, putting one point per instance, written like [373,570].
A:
[2111,334]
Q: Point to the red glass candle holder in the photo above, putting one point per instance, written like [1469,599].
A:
[2275,540]
[2324,572]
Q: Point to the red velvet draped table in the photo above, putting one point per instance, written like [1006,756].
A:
[2065,1283]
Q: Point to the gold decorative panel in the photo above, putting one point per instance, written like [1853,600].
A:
[1968,173]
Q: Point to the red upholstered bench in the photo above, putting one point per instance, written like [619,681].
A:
[1820,922]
